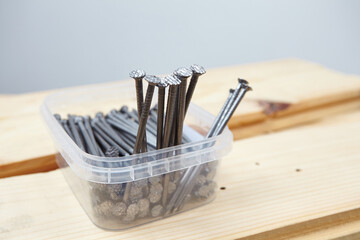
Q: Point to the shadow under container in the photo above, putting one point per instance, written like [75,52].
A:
[100,183]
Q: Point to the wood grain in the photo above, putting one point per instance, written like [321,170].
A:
[284,92]
[291,184]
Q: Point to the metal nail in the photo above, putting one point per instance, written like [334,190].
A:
[182,74]
[197,71]
[138,76]
[170,109]
[153,81]
[99,131]
[103,125]
[169,123]
[160,112]
[126,126]
[112,152]
[222,112]
[188,180]
[87,140]
[65,125]
[150,126]
[87,123]
[244,88]
[75,132]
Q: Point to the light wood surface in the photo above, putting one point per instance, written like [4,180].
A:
[300,183]
[286,93]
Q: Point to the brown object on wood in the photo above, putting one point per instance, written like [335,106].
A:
[270,200]
[286,93]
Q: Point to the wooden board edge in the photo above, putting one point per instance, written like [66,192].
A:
[301,118]
[35,165]
[308,227]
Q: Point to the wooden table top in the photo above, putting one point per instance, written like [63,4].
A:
[301,183]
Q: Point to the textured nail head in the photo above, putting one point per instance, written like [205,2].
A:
[152,80]
[112,152]
[183,72]
[197,69]
[163,83]
[172,80]
[137,74]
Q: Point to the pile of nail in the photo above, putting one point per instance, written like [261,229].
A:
[124,132]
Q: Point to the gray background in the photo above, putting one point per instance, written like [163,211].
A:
[47,44]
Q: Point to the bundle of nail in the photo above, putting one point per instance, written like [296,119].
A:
[124,132]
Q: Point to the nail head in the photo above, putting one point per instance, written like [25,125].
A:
[137,74]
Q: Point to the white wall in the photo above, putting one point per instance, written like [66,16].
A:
[51,44]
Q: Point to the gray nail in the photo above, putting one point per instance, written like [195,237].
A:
[222,112]
[90,147]
[197,71]
[75,132]
[108,130]
[244,88]
[103,135]
[87,123]
[65,125]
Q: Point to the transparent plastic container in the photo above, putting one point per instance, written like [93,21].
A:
[99,183]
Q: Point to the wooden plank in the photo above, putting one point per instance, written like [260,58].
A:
[279,186]
[285,92]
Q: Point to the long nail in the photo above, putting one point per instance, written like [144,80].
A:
[150,126]
[170,109]
[89,144]
[107,147]
[115,115]
[222,112]
[153,81]
[99,131]
[188,180]
[182,74]
[87,123]
[169,123]
[75,132]
[138,76]
[243,90]
[197,71]
[125,127]
[65,125]
[103,125]
[160,113]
